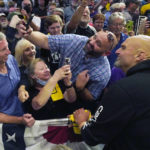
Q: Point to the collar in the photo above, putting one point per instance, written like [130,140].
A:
[140,67]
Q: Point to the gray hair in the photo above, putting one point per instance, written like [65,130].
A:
[117,6]
[2,36]
[116,15]
[59,10]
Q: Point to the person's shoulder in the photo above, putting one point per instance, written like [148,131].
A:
[92,28]
[11,58]
[73,36]
[124,36]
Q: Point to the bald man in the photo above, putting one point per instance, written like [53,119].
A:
[122,121]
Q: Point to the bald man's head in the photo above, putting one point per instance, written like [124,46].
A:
[133,51]
[141,43]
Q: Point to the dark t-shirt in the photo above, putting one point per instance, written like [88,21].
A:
[84,31]
[53,108]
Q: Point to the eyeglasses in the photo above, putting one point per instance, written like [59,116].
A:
[117,24]
[110,39]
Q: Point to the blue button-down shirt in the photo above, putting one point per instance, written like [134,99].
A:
[9,102]
[71,45]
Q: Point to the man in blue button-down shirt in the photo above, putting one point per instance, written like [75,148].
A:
[88,61]
[10,107]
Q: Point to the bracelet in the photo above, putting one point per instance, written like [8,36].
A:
[68,87]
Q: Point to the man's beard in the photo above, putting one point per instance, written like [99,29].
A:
[85,20]
[90,51]
[4,25]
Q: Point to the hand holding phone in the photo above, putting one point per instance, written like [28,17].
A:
[67,61]
[29,21]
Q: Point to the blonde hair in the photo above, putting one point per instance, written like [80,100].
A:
[49,20]
[116,15]
[21,46]
[2,36]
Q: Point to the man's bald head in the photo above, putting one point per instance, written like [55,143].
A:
[133,51]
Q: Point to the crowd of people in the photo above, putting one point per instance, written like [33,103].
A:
[64,57]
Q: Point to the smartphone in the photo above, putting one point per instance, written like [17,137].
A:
[129,25]
[29,21]
[67,61]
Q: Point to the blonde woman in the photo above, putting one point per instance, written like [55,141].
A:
[24,53]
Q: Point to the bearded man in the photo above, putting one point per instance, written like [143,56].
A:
[79,23]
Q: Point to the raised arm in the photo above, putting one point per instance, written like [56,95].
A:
[37,38]
[75,20]
[43,96]
[26,119]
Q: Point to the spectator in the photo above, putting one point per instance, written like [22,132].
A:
[79,23]
[10,107]
[70,10]
[131,7]
[51,7]
[47,98]
[59,12]
[11,32]
[98,22]
[123,118]
[116,23]
[115,7]
[24,54]
[40,9]
[53,26]
[26,10]
[3,22]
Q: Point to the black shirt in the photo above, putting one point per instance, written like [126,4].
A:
[57,109]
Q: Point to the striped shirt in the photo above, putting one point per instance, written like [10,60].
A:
[71,45]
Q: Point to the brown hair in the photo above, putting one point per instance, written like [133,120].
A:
[99,16]
[49,20]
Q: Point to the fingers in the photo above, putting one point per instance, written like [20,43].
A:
[27,115]
[66,70]
[28,120]
[31,122]
[23,30]
[23,96]
[85,74]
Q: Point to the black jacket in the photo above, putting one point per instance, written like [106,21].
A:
[122,121]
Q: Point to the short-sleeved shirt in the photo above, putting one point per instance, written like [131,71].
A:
[9,102]
[71,45]
[87,31]
[56,106]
